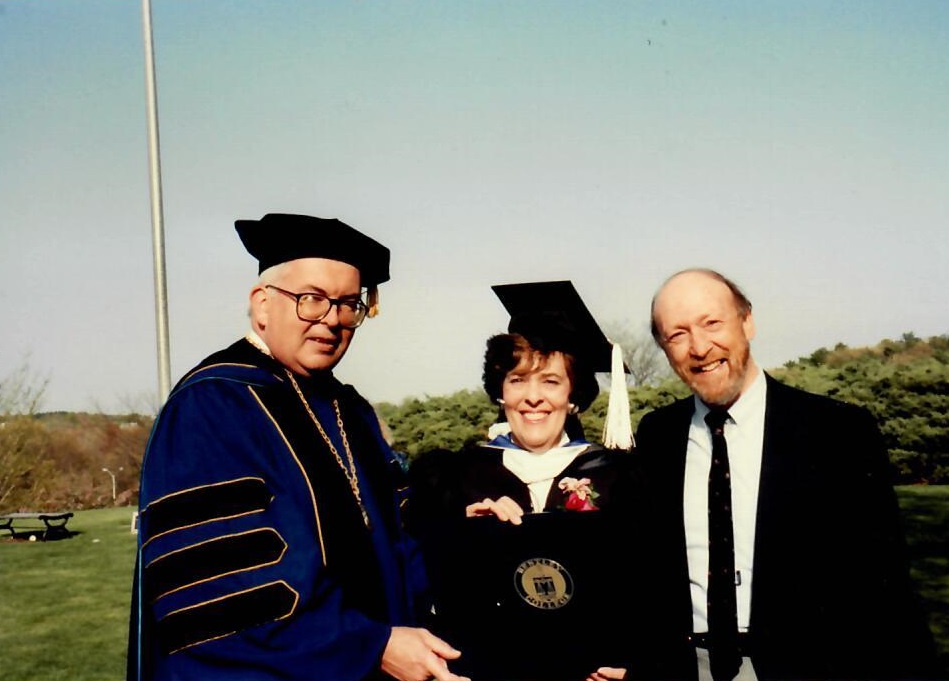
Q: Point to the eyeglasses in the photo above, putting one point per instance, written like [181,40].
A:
[313,307]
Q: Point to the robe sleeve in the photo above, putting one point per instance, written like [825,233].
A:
[233,581]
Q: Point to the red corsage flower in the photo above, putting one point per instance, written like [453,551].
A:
[580,494]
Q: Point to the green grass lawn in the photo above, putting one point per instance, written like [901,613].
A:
[65,604]
[64,608]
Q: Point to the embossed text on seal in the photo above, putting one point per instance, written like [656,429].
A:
[543,583]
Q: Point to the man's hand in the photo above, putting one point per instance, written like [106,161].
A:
[416,654]
[505,508]
[607,673]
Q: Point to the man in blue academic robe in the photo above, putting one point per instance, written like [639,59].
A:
[270,539]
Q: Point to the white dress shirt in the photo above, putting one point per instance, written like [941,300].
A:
[744,433]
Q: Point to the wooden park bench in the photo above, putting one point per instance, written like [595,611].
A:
[40,525]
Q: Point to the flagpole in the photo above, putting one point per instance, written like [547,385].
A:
[158,238]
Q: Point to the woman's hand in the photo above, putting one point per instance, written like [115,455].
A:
[607,674]
[505,509]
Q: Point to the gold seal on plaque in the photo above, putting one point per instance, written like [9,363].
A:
[543,583]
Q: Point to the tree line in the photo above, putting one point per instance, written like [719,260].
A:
[60,460]
[904,383]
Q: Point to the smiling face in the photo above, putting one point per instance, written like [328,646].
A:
[706,337]
[536,401]
[304,347]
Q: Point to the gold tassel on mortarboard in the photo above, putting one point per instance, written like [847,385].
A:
[372,296]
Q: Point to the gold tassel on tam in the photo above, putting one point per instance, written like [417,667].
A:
[618,430]
[372,297]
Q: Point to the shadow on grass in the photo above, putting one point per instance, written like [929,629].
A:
[926,520]
[39,535]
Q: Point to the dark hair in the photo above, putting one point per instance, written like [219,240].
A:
[742,304]
[509,351]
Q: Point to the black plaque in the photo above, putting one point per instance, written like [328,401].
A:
[541,601]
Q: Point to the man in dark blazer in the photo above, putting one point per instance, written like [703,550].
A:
[822,582]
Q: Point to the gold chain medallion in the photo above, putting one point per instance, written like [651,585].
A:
[348,470]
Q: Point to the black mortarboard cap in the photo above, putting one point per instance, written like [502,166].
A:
[279,237]
[552,316]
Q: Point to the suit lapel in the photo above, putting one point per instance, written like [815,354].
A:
[781,462]
[671,494]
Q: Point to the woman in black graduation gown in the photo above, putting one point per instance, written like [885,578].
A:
[536,459]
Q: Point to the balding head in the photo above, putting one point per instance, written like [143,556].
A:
[691,277]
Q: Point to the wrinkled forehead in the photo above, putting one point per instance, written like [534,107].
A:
[691,296]
[323,273]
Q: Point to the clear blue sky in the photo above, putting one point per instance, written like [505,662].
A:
[801,147]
